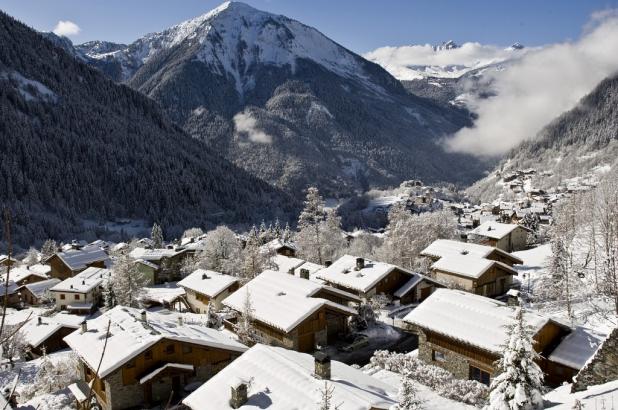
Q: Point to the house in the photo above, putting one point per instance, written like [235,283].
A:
[71,262]
[159,265]
[6,261]
[144,358]
[168,296]
[38,293]
[446,247]
[508,237]
[18,277]
[463,333]
[205,286]
[280,247]
[292,312]
[280,379]
[45,335]
[297,267]
[367,278]
[81,293]
[23,275]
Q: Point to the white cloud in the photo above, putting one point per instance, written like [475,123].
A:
[413,62]
[245,123]
[66,28]
[536,89]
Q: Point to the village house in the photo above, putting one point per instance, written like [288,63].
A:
[367,278]
[45,334]
[463,333]
[149,357]
[447,247]
[69,263]
[159,265]
[168,296]
[296,267]
[6,261]
[292,312]
[205,286]
[38,293]
[280,379]
[508,237]
[280,247]
[81,293]
[18,277]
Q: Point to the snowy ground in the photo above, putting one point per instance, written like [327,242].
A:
[600,397]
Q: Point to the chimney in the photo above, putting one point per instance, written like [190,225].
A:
[179,320]
[238,394]
[83,282]
[360,263]
[304,273]
[143,315]
[83,327]
[291,271]
[204,276]
[328,263]
[40,321]
[322,365]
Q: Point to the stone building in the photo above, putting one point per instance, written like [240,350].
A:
[159,265]
[463,333]
[149,357]
[602,367]
[292,312]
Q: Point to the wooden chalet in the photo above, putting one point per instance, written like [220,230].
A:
[70,262]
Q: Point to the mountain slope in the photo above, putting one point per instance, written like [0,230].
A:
[581,142]
[291,106]
[79,146]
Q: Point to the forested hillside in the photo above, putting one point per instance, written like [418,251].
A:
[76,145]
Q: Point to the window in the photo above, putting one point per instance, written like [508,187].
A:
[479,375]
[186,349]
[169,349]
[76,297]
[437,356]
[62,296]
[148,355]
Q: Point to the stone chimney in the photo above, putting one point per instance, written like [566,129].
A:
[322,365]
[360,263]
[39,320]
[83,327]
[291,271]
[328,263]
[179,320]
[143,315]
[304,273]
[204,276]
[238,394]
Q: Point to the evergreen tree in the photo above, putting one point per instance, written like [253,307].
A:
[310,235]
[128,282]
[255,259]
[48,249]
[519,382]
[109,300]
[408,399]
[244,326]
[157,236]
[326,397]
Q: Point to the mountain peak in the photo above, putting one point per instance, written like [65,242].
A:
[446,45]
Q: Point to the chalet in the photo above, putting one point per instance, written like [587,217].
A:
[6,261]
[69,263]
[159,265]
[168,296]
[205,286]
[280,379]
[296,267]
[367,278]
[23,275]
[45,335]
[38,293]
[280,247]
[446,247]
[81,293]
[292,312]
[463,333]
[147,357]
[508,237]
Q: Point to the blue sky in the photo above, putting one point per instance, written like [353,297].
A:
[360,25]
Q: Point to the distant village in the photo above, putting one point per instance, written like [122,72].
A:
[308,318]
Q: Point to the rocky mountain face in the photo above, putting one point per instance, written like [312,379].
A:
[581,143]
[289,105]
[78,146]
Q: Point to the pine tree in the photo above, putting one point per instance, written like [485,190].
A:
[519,383]
[326,398]
[109,300]
[255,260]
[244,326]
[309,225]
[48,249]
[128,282]
[408,399]
[157,236]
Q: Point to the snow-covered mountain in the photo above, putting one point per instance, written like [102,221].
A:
[258,86]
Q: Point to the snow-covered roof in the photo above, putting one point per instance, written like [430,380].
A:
[409,285]
[147,263]
[469,318]
[84,281]
[207,282]
[155,254]
[577,348]
[38,289]
[284,379]
[343,272]
[77,259]
[20,273]
[155,372]
[40,269]
[162,294]
[277,244]
[468,265]
[284,263]
[281,300]
[129,336]
[494,230]
[38,329]
[446,247]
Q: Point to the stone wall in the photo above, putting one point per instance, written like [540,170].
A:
[453,362]
[120,396]
[602,368]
